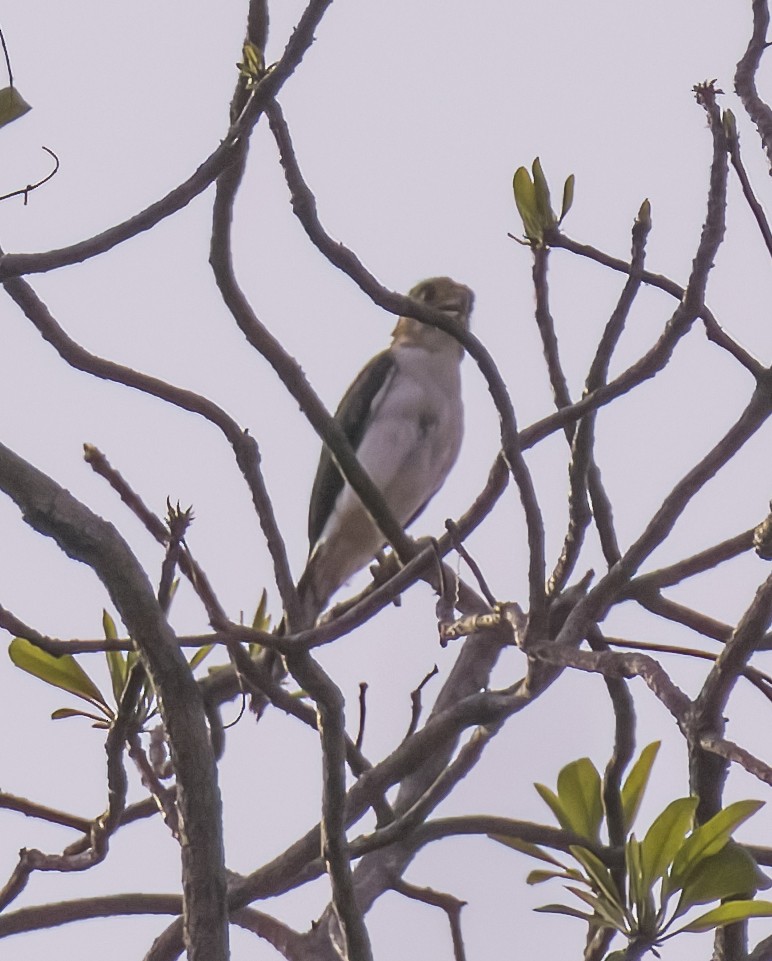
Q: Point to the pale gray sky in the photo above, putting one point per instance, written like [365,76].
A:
[409,120]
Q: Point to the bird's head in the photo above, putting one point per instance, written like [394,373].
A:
[440,293]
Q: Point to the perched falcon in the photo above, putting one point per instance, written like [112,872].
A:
[404,418]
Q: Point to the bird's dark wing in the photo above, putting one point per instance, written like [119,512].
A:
[353,415]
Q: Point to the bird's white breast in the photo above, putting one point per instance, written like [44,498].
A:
[412,440]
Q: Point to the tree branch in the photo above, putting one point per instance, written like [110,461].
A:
[82,535]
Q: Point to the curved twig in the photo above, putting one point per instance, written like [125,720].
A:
[25,191]
[16,265]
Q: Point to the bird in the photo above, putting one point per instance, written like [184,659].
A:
[403,416]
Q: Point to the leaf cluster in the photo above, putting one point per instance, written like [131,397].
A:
[532,197]
[676,867]
[65,672]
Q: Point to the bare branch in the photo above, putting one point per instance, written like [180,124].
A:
[16,265]
[32,809]
[335,848]
[25,191]
[745,76]
[757,210]
[450,905]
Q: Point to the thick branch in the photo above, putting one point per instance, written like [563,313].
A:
[82,535]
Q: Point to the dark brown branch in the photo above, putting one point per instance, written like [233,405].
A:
[713,329]
[584,475]
[165,798]
[262,680]
[41,916]
[612,664]
[761,681]
[681,614]
[450,905]
[160,531]
[44,916]
[622,754]
[745,76]
[403,826]
[415,700]
[708,767]
[600,598]
[178,522]
[729,751]
[25,191]
[244,446]
[454,531]
[335,847]
[750,197]
[32,809]
[16,265]
[549,340]
[258,23]
[695,564]
[53,512]
[493,825]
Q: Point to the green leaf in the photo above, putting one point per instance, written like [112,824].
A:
[644,214]
[608,912]
[641,895]
[63,672]
[728,913]
[525,847]
[579,792]
[12,105]
[108,626]
[636,782]
[664,838]
[540,876]
[563,909]
[147,707]
[116,662]
[599,875]
[525,199]
[730,125]
[568,197]
[708,839]
[262,620]
[64,712]
[541,189]
[252,67]
[731,872]
[555,805]
[200,654]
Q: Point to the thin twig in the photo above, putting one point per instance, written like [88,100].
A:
[756,209]
[455,536]
[415,700]
[362,714]
[25,191]
[334,843]
[713,329]
[451,905]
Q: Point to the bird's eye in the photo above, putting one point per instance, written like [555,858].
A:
[428,293]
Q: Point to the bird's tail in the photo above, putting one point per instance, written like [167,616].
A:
[312,597]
